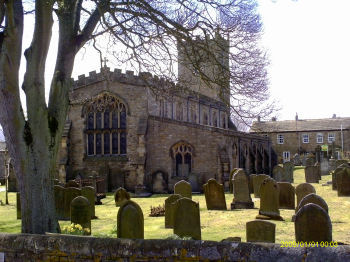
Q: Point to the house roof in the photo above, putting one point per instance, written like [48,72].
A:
[326,124]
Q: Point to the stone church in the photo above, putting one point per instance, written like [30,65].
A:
[121,129]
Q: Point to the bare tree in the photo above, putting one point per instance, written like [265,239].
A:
[149,31]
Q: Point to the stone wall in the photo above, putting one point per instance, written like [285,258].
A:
[22,247]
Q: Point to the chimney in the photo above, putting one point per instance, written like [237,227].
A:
[273,119]
[334,116]
[296,117]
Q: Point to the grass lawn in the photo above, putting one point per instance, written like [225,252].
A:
[216,225]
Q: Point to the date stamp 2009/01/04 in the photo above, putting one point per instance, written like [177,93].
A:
[309,244]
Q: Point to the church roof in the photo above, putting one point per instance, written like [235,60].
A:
[325,124]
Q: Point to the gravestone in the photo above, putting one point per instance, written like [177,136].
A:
[169,210]
[193,180]
[310,161]
[89,193]
[80,212]
[311,174]
[130,223]
[183,188]
[314,199]
[331,164]
[278,173]
[343,182]
[187,219]
[269,200]
[260,231]
[242,199]
[59,195]
[312,224]
[251,185]
[230,179]
[324,167]
[303,190]
[70,194]
[257,180]
[120,196]
[18,205]
[159,183]
[318,165]
[214,195]
[288,168]
[71,183]
[334,175]
[297,160]
[286,196]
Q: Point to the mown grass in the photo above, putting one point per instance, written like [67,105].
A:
[216,225]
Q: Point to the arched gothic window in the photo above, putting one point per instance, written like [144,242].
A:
[183,155]
[105,126]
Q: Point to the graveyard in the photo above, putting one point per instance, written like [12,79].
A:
[216,225]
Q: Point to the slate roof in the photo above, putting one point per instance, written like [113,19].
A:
[326,124]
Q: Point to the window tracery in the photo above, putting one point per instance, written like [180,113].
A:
[183,154]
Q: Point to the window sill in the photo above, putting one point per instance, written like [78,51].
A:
[120,158]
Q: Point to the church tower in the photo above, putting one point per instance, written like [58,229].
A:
[203,67]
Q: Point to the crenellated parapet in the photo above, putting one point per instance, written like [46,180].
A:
[129,77]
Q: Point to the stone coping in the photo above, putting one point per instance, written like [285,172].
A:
[30,247]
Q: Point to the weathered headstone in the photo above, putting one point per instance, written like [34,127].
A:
[169,210]
[214,195]
[312,224]
[310,161]
[297,160]
[242,199]
[130,222]
[120,196]
[257,180]
[324,167]
[311,174]
[260,231]
[334,175]
[343,182]
[278,173]
[269,200]
[288,168]
[187,219]
[315,199]
[230,179]
[59,194]
[18,205]
[70,194]
[80,213]
[303,190]
[286,196]
[89,193]
[183,188]
[318,166]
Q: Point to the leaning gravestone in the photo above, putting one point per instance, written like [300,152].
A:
[286,196]
[260,231]
[120,196]
[70,194]
[288,168]
[59,193]
[230,179]
[314,199]
[278,173]
[80,213]
[183,188]
[312,224]
[343,182]
[334,175]
[311,174]
[242,199]
[169,210]
[187,219]
[269,200]
[214,195]
[89,193]
[18,205]
[257,180]
[303,190]
[130,222]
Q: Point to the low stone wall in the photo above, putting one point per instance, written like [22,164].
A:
[25,247]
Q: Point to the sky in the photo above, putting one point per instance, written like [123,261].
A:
[308,43]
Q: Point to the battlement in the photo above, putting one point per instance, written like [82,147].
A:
[142,79]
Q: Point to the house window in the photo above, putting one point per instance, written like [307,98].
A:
[182,155]
[286,156]
[331,137]
[305,138]
[280,139]
[319,138]
[105,126]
